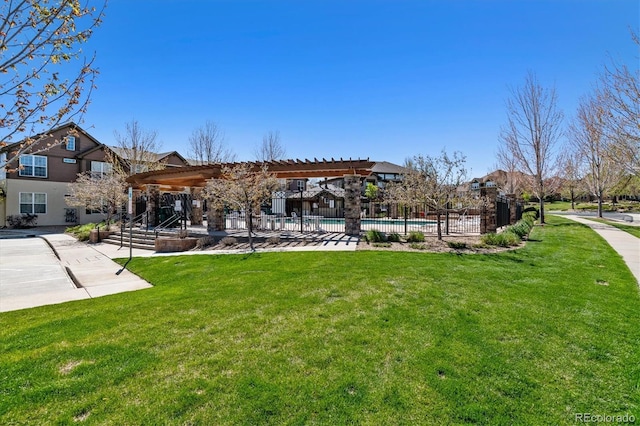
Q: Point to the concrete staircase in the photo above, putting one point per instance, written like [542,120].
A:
[140,239]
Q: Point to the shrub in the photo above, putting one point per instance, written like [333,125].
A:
[381,244]
[415,237]
[521,229]
[273,240]
[81,232]
[375,236]
[228,241]
[417,246]
[394,237]
[504,239]
[458,245]
[531,209]
[205,242]
[18,221]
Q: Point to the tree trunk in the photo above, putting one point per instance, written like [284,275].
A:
[600,205]
[541,210]
[250,228]
[573,197]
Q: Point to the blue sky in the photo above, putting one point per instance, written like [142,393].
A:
[378,79]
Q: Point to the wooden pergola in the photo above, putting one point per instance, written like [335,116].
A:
[178,178]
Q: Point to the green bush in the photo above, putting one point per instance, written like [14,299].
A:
[381,244]
[417,246]
[521,228]
[457,245]
[394,238]
[81,232]
[375,236]
[504,239]
[531,209]
[415,237]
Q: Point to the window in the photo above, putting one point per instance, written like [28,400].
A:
[300,185]
[71,143]
[3,169]
[69,160]
[33,165]
[33,203]
[139,168]
[100,168]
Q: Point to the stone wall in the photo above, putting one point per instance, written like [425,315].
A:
[352,188]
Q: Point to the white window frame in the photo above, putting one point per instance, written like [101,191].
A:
[103,169]
[3,169]
[71,143]
[31,159]
[300,185]
[22,201]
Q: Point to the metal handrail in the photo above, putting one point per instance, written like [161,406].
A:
[143,218]
[166,223]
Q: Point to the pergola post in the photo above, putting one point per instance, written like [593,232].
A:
[352,188]
[196,207]
[153,199]
[215,217]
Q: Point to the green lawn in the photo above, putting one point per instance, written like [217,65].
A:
[531,336]
[633,230]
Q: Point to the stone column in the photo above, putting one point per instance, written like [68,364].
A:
[488,218]
[153,201]
[196,206]
[512,208]
[215,217]
[352,186]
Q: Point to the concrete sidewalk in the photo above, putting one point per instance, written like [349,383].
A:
[42,268]
[624,243]
[56,268]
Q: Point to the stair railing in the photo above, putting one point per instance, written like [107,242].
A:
[164,226]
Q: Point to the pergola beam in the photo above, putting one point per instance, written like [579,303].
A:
[197,176]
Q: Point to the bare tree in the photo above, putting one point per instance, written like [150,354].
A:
[136,150]
[207,145]
[101,192]
[243,187]
[589,138]
[433,181]
[45,81]
[572,172]
[620,93]
[532,132]
[271,148]
[511,181]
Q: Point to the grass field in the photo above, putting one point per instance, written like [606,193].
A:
[531,336]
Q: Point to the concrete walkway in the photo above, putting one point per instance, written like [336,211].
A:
[624,243]
[40,268]
[56,268]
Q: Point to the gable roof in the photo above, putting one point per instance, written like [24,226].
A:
[69,124]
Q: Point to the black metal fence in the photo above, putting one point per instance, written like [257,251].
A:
[502,211]
[379,216]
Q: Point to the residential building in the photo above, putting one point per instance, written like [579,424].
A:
[39,183]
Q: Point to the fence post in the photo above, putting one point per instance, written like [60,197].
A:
[512,208]
[488,216]
[352,188]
